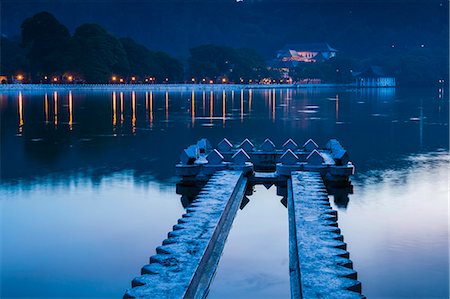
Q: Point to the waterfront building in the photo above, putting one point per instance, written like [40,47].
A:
[374,76]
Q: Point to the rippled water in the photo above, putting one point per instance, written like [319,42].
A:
[88,186]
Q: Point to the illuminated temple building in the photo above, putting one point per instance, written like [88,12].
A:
[293,54]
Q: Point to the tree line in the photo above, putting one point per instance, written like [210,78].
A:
[46,50]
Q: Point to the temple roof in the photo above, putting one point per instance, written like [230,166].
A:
[311,47]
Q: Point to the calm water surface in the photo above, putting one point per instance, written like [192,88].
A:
[88,186]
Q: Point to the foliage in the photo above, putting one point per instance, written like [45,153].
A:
[47,43]
[214,61]
[46,48]
[97,54]
[211,61]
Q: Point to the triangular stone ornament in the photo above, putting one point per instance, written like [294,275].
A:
[332,144]
[268,145]
[310,145]
[289,158]
[224,146]
[246,145]
[240,157]
[338,153]
[189,155]
[244,202]
[267,185]
[290,144]
[341,157]
[315,158]
[204,145]
[284,201]
[214,157]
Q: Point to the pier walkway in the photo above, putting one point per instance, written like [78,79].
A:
[184,265]
[319,264]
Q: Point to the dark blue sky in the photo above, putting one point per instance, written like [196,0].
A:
[175,26]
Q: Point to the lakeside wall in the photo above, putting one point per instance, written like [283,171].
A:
[160,87]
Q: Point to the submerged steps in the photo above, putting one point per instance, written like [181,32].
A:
[319,263]
[184,265]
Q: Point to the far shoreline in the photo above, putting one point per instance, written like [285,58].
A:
[174,87]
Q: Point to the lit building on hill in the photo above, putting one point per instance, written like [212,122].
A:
[292,54]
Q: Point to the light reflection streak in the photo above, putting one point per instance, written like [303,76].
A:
[114,108]
[337,107]
[274,100]
[204,101]
[70,111]
[232,99]
[193,108]
[242,105]
[133,111]
[250,94]
[151,109]
[46,107]
[20,108]
[211,105]
[224,106]
[121,107]
[167,106]
[55,110]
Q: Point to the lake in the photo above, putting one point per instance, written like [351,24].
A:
[88,181]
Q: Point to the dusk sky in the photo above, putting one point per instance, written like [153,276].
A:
[353,27]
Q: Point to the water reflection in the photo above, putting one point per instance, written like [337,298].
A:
[70,111]
[55,109]
[121,108]
[46,107]
[395,218]
[255,262]
[167,105]
[114,111]
[399,120]
[133,109]
[20,103]
[193,108]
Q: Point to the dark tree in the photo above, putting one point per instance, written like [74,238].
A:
[249,65]
[144,62]
[169,67]
[97,54]
[211,61]
[47,43]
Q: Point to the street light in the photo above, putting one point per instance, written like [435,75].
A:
[55,79]
[70,78]
[114,78]
[20,77]
[224,80]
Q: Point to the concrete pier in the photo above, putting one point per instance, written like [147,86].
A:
[319,263]
[185,264]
